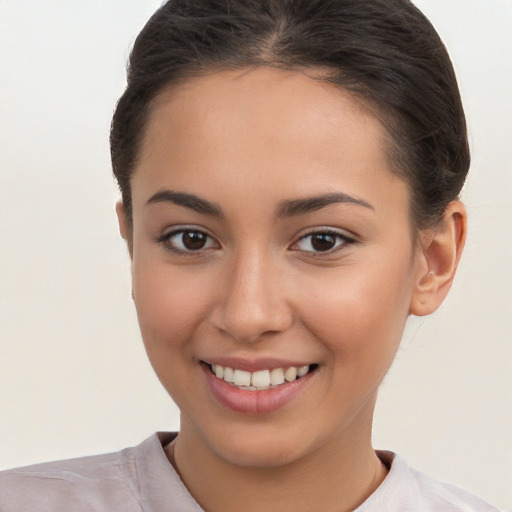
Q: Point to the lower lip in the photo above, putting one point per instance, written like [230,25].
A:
[254,402]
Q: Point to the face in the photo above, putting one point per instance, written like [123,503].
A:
[269,238]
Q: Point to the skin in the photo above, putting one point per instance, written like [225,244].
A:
[247,141]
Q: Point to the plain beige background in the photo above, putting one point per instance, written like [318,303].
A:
[74,379]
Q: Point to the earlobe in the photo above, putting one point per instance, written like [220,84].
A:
[440,254]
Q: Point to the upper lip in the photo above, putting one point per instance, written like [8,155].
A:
[254,365]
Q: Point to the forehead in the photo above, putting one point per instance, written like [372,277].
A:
[264,130]
[259,99]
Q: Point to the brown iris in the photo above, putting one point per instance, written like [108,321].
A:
[323,241]
[194,240]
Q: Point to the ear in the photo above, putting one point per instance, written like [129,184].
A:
[440,252]
[124,226]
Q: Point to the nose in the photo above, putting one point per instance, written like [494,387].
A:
[251,302]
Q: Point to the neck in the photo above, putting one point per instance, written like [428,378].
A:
[338,476]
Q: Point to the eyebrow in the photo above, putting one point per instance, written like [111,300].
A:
[288,208]
[190,201]
[295,207]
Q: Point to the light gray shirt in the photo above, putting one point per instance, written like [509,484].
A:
[141,479]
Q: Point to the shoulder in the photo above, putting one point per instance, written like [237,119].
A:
[406,489]
[88,483]
[100,482]
[133,480]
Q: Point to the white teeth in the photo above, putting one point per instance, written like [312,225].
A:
[229,374]
[301,371]
[290,374]
[259,380]
[242,378]
[276,376]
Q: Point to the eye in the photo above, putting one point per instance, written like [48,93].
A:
[187,241]
[322,242]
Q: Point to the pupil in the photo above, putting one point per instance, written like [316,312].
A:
[323,242]
[193,240]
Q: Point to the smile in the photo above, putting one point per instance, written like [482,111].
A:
[262,379]
[260,391]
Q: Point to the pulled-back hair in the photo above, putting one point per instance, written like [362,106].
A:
[385,52]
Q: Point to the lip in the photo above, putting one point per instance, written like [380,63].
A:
[254,402]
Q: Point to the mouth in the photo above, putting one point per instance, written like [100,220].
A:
[260,380]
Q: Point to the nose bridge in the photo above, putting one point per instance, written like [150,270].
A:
[252,302]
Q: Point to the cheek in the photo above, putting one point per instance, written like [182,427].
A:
[170,305]
[359,313]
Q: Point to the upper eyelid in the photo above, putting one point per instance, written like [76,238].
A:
[328,230]
[173,230]
[184,227]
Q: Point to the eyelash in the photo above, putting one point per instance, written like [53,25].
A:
[341,241]
[166,241]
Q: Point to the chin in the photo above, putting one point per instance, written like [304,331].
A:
[254,455]
[259,449]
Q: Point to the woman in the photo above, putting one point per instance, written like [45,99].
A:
[290,175]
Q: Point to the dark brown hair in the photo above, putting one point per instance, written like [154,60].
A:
[386,52]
